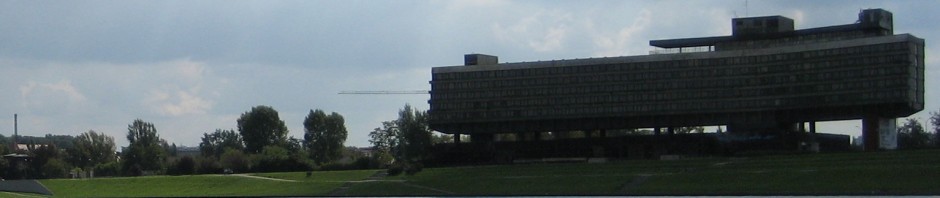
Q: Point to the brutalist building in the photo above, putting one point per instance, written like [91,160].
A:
[766,79]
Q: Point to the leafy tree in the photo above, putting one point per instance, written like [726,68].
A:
[912,136]
[935,121]
[215,143]
[54,168]
[46,161]
[261,127]
[144,153]
[90,149]
[324,136]
[383,139]
[414,141]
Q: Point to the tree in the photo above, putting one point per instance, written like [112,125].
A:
[935,122]
[261,127]
[144,153]
[46,161]
[90,149]
[383,140]
[324,136]
[414,141]
[912,136]
[215,143]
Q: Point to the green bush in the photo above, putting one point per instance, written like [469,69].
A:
[235,160]
[394,169]
[54,168]
[208,165]
[413,168]
[186,165]
[109,169]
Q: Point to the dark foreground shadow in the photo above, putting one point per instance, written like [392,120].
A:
[24,186]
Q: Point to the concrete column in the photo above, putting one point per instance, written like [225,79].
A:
[657,131]
[812,127]
[879,133]
[457,138]
[671,130]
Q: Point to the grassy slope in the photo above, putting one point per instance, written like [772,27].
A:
[205,185]
[903,172]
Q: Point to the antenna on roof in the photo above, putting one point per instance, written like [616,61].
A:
[745,9]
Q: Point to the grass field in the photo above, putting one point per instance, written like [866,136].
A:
[901,172]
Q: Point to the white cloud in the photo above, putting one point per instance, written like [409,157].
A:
[461,5]
[63,86]
[541,31]
[50,98]
[618,43]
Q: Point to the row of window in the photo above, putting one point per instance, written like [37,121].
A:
[670,107]
[849,67]
[797,40]
[562,98]
[891,77]
[864,51]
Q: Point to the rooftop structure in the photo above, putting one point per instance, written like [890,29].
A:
[766,77]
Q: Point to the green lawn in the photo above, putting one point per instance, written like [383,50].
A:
[320,183]
[900,172]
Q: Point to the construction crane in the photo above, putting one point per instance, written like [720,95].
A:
[387,92]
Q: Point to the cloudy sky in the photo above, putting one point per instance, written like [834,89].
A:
[191,67]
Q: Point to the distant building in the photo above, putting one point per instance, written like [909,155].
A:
[765,79]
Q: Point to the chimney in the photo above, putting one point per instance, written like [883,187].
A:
[15,131]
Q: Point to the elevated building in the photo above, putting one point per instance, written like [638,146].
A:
[765,78]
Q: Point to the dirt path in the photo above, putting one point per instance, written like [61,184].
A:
[266,178]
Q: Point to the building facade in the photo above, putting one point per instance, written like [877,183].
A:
[764,78]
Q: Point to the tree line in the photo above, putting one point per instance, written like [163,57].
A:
[260,145]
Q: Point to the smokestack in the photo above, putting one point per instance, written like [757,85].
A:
[15,131]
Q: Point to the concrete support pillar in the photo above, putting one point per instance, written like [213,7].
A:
[802,127]
[457,138]
[657,131]
[812,127]
[671,130]
[879,133]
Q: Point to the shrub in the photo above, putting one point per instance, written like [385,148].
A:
[108,169]
[413,168]
[54,168]
[208,165]
[277,159]
[235,160]
[394,169]
[186,165]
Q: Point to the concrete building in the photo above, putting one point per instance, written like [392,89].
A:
[765,78]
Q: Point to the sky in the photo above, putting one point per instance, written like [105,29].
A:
[190,67]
